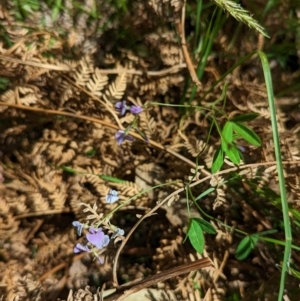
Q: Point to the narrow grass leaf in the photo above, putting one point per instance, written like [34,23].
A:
[283,195]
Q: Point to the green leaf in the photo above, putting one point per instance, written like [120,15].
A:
[246,133]
[227,135]
[245,247]
[233,154]
[195,235]
[244,117]
[295,273]
[295,213]
[205,226]
[111,179]
[206,192]
[68,169]
[267,232]
[227,143]
[91,152]
[218,160]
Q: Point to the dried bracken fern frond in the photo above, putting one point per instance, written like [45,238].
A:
[97,82]
[162,8]
[116,89]
[83,72]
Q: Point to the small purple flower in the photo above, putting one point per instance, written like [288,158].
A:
[97,238]
[112,196]
[79,227]
[81,248]
[121,136]
[118,232]
[136,109]
[121,107]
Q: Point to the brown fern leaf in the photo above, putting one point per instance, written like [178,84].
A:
[116,89]
[82,73]
[97,82]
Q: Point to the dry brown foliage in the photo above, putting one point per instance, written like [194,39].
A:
[60,112]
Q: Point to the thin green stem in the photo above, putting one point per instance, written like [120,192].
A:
[284,203]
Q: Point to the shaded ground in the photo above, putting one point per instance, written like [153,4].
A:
[60,78]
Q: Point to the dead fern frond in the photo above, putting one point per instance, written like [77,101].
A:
[83,72]
[116,89]
[97,82]
[128,189]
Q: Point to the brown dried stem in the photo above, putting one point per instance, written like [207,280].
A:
[125,290]
[180,31]
[97,120]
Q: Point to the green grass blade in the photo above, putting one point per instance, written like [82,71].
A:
[284,203]
[198,23]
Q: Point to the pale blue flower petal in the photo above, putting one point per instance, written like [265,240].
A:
[99,239]
[79,227]
[112,196]
[118,232]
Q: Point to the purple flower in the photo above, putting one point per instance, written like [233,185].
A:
[121,136]
[121,107]
[81,248]
[97,238]
[79,227]
[136,109]
[112,196]
[118,232]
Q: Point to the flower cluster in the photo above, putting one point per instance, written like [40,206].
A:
[121,108]
[96,238]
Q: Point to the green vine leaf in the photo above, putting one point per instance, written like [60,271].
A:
[246,133]
[218,160]
[244,117]
[245,247]
[227,135]
[205,226]
[195,235]
[203,194]
[233,154]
